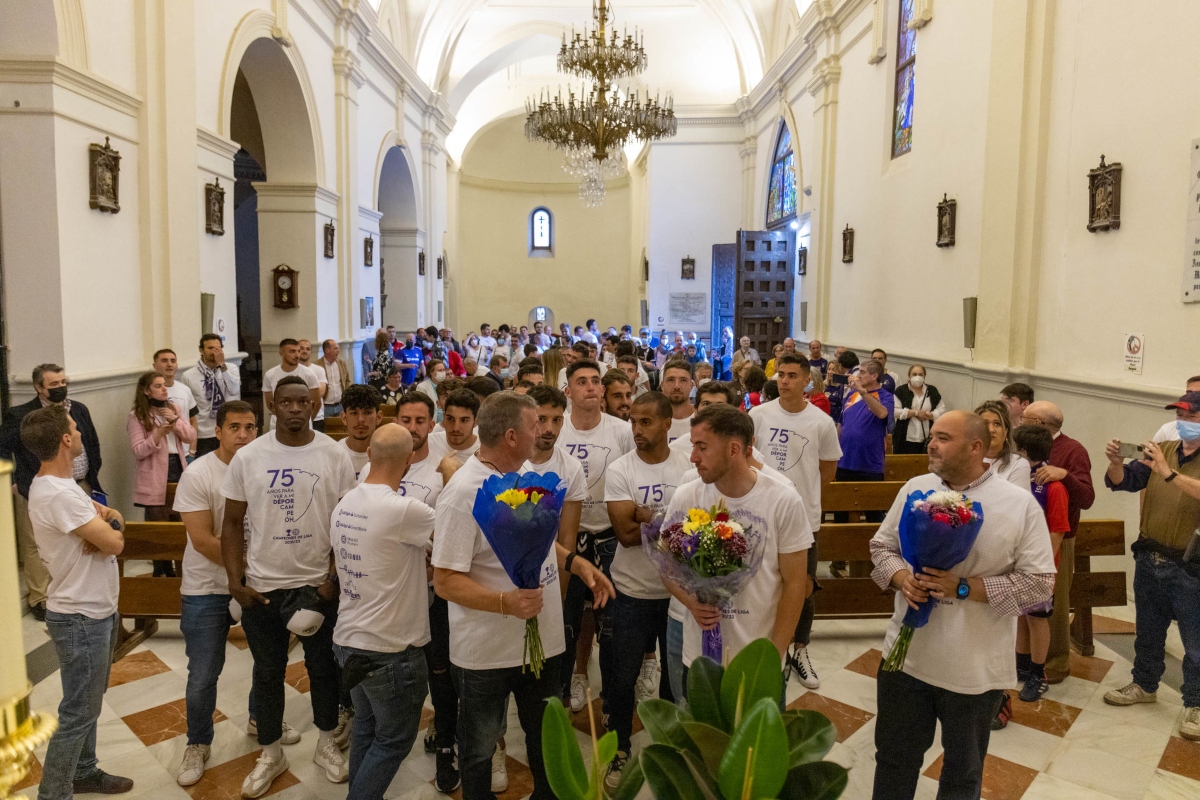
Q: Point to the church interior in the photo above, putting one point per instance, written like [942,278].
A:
[1002,191]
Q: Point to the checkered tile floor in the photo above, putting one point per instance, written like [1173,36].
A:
[1068,745]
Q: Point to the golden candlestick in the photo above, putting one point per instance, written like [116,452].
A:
[21,732]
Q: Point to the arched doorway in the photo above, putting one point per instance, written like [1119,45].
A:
[402,242]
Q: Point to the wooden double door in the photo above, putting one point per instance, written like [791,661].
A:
[753,287]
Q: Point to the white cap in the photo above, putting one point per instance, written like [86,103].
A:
[305,622]
[235,610]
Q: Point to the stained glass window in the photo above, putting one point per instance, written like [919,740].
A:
[906,61]
[539,223]
[781,191]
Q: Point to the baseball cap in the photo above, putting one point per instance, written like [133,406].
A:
[1190,402]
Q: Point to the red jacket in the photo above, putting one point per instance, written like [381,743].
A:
[1070,455]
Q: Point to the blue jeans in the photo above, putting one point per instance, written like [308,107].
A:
[675,658]
[1165,592]
[637,625]
[85,651]
[204,622]
[482,701]
[333,411]
[387,713]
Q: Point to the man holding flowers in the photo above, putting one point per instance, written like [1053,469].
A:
[958,664]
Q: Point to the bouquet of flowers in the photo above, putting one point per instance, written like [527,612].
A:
[709,554]
[518,515]
[937,529]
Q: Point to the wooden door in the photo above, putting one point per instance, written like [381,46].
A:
[724,293]
[765,284]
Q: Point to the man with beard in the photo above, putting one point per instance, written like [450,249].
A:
[677,386]
[618,394]
[304,356]
[958,667]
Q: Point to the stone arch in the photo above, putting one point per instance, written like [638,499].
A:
[401,238]
[391,140]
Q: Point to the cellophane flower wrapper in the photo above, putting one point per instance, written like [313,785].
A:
[714,590]
[522,536]
[926,541]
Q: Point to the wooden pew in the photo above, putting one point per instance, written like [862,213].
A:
[1096,537]
[145,599]
[334,425]
[904,467]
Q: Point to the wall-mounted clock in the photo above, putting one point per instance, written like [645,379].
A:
[283,279]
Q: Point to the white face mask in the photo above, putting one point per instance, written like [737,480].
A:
[438,377]
[916,381]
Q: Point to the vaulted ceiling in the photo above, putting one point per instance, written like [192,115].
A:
[487,56]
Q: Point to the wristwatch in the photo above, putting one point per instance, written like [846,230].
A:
[964,589]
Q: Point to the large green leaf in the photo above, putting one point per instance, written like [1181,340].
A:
[820,780]
[704,693]
[760,740]
[711,742]
[756,673]
[606,748]
[669,776]
[662,719]
[810,736]
[560,751]
[632,779]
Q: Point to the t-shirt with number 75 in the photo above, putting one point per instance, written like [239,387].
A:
[290,494]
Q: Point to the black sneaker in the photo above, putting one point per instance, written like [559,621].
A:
[431,738]
[447,779]
[38,612]
[102,783]
[1002,717]
[1033,689]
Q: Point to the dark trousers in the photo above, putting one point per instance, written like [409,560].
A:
[206,445]
[319,425]
[268,637]
[636,626]
[1165,592]
[852,475]
[600,552]
[483,696]
[909,711]
[804,625]
[441,683]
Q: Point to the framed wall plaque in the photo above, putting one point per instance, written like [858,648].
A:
[801,260]
[441,263]
[688,270]
[947,218]
[421,263]
[104,177]
[214,208]
[1104,197]
[848,245]
[329,234]
[369,251]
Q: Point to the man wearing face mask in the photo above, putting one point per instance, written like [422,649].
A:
[1166,577]
[50,383]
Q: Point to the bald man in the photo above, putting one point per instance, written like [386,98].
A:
[379,539]
[1070,464]
[960,663]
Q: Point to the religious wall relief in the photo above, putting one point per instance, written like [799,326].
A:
[947,219]
[104,177]
[1104,197]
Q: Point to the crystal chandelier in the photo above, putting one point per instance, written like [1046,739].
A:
[595,126]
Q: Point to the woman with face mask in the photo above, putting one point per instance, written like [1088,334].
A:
[917,406]
[436,371]
[159,433]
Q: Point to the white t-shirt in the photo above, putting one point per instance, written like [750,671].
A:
[181,394]
[795,445]
[358,460]
[422,482]
[966,646]
[200,490]
[596,449]
[290,494]
[680,429]
[318,373]
[771,510]
[80,583]
[379,540]
[481,639]
[440,447]
[276,374]
[1016,472]
[652,485]
[1169,432]
[565,467]
[487,346]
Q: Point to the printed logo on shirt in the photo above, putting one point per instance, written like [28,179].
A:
[292,492]
[785,447]
[416,491]
[656,495]
[593,458]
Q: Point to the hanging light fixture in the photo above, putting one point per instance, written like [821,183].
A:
[595,126]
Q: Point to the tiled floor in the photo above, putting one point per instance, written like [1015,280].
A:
[1068,746]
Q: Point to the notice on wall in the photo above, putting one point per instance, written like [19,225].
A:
[1135,348]
[689,308]
[1191,260]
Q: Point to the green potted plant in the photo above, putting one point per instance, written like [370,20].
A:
[733,742]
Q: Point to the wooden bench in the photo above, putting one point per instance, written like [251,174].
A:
[904,467]
[144,599]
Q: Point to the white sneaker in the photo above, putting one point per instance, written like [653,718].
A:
[647,682]
[290,734]
[192,768]
[615,769]
[499,771]
[1130,694]
[341,731]
[1189,727]
[802,665]
[328,756]
[579,684]
[266,770]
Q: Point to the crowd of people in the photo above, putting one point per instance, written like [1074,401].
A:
[364,544]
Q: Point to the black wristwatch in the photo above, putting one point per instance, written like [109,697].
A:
[964,589]
[1171,477]
[570,560]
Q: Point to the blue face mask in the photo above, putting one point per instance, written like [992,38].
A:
[1188,431]
[808,387]
[438,416]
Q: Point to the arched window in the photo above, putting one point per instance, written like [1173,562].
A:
[781,192]
[541,233]
[906,61]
